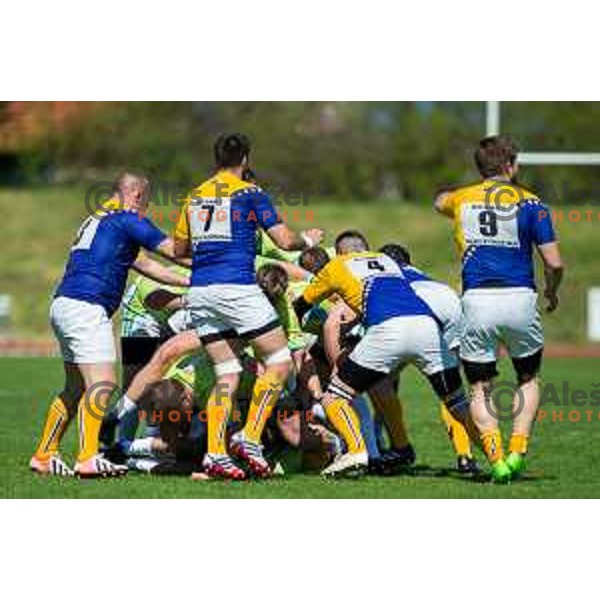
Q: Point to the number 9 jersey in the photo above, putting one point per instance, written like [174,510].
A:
[497,224]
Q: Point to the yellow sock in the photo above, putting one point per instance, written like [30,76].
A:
[393,416]
[218,409]
[90,413]
[519,443]
[491,443]
[265,394]
[54,428]
[456,432]
[346,422]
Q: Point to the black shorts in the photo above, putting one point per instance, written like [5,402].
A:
[139,350]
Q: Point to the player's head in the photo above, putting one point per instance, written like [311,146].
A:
[313,259]
[351,241]
[232,151]
[273,280]
[172,401]
[397,252]
[496,156]
[132,191]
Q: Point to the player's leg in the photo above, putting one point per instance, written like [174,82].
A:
[524,339]
[271,347]
[387,403]
[219,405]
[100,384]
[478,354]
[46,459]
[460,440]
[370,362]
[162,360]
[525,404]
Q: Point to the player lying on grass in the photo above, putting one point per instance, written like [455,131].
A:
[274,282]
[106,247]
[498,223]
[175,441]
[447,308]
[217,228]
[401,329]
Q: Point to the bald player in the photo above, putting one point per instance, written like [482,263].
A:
[106,246]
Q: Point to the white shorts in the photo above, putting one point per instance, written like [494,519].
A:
[221,311]
[445,304]
[500,315]
[396,342]
[83,330]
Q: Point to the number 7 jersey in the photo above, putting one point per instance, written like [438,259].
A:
[497,224]
[220,219]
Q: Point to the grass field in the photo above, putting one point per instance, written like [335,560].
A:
[38,227]
[563,463]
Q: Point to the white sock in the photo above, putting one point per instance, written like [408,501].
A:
[126,406]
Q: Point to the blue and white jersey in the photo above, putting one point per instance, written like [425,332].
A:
[106,246]
[220,219]
[497,225]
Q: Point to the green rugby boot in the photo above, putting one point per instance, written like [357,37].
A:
[516,463]
[501,472]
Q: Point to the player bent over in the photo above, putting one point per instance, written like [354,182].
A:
[400,329]
[447,308]
[107,245]
[498,224]
[217,227]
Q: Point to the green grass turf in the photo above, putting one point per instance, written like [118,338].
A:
[563,462]
[38,227]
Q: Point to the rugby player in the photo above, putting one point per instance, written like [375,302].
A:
[446,306]
[498,224]
[107,245]
[217,227]
[400,328]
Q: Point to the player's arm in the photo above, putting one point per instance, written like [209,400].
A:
[287,239]
[340,314]
[293,271]
[553,272]
[158,272]
[444,202]
[182,245]
[164,300]
[283,237]
[544,238]
[321,287]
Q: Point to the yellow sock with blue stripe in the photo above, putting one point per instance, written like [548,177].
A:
[267,389]
[91,411]
[345,420]
[491,443]
[456,432]
[55,425]
[218,409]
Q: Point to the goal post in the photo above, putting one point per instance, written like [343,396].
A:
[579,159]
[493,115]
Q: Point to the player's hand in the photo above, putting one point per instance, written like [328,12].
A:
[313,237]
[552,299]
[159,445]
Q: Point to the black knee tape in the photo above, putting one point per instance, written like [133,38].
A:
[445,383]
[476,372]
[528,366]
[357,377]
